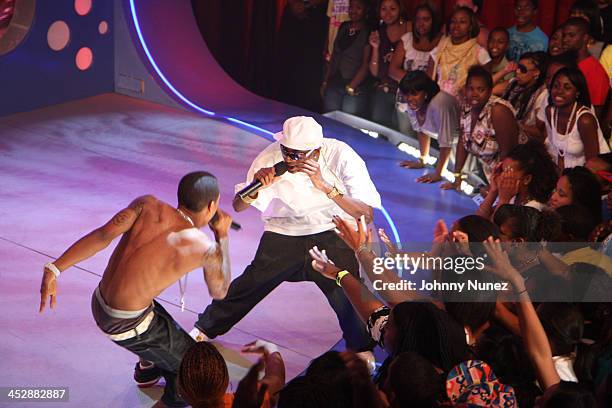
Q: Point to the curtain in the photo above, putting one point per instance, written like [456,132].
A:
[263,46]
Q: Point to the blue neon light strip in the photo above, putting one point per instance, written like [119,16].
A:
[392,225]
[210,113]
[243,123]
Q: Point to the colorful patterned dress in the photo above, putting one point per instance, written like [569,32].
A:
[481,141]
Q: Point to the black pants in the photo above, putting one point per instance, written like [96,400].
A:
[164,344]
[281,258]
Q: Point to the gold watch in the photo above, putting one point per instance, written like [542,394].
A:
[335,192]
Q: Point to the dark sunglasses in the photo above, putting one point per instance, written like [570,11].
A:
[522,68]
[294,154]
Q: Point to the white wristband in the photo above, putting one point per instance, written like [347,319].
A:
[51,266]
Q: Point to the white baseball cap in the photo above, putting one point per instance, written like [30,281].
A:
[300,133]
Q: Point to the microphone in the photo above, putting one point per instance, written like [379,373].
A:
[235,226]
[279,169]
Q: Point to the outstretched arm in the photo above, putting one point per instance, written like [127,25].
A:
[363,301]
[89,245]
[274,373]
[360,241]
[532,332]
[365,393]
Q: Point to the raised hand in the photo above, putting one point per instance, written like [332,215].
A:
[260,347]
[391,248]
[374,39]
[462,242]
[354,239]
[500,263]
[322,264]
[247,394]
[440,233]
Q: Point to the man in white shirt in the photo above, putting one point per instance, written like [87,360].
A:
[325,178]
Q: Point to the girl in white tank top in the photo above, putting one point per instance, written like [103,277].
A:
[569,144]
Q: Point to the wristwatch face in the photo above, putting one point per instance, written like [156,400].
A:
[335,192]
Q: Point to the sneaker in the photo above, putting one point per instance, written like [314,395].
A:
[197,335]
[146,376]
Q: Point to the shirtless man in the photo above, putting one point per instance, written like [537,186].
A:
[160,244]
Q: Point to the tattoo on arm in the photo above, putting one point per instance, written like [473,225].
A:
[212,259]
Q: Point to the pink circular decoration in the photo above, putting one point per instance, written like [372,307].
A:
[58,35]
[82,7]
[84,58]
[103,27]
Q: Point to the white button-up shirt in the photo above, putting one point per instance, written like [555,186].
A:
[293,206]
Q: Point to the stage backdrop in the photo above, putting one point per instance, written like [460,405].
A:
[67,54]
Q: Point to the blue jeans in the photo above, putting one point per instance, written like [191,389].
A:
[382,108]
[281,258]
[164,344]
[336,98]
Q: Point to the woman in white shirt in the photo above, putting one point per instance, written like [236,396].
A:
[416,53]
[573,133]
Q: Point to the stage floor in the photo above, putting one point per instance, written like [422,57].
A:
[67,169]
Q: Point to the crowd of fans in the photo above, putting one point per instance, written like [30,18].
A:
[534,112]
[515,96]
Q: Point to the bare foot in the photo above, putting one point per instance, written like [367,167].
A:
[412,164]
